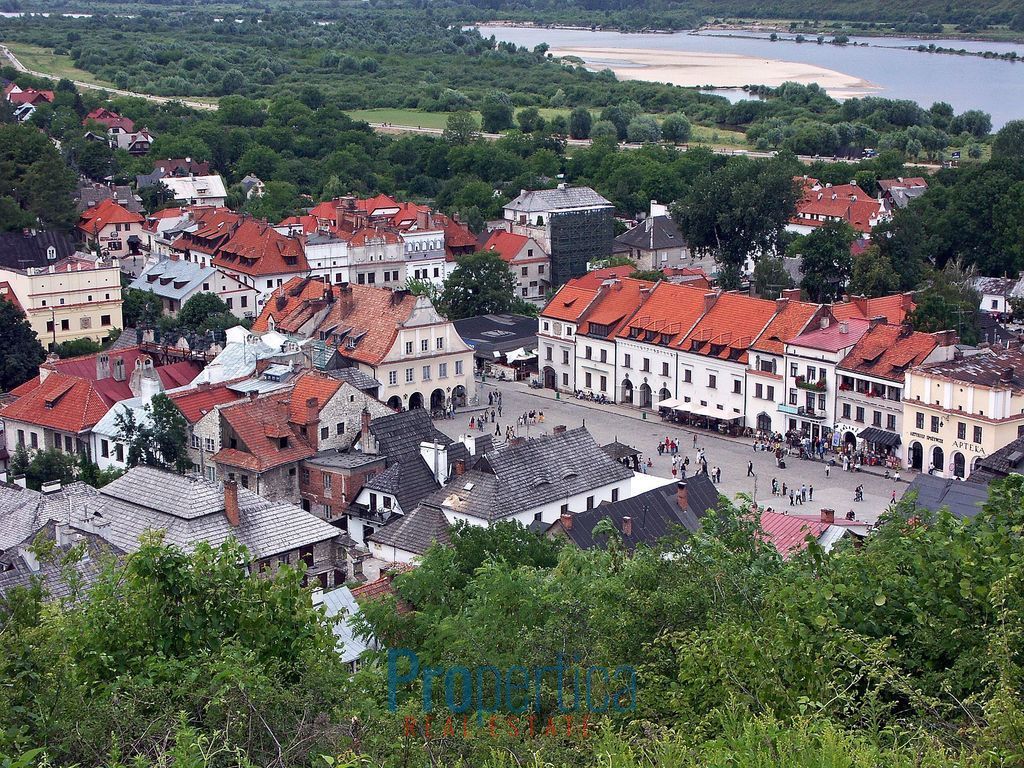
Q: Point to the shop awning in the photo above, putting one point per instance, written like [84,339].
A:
[880,437]
[672,403]
[706,410]
[520,355]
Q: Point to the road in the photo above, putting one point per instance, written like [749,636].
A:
[608,423]
[399,129]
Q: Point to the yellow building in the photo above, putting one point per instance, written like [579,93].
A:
[71,299]
[957,412]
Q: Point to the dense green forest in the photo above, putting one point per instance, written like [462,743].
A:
[906,651]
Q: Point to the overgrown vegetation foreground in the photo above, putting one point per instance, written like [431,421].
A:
[907,651]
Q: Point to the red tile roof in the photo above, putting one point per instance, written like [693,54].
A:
[894,308]
[668,314]
[833,338]
[382,587]
[789,534]
[841,201]
[63,402]
[305,224]
[614,304]
[727,330]
[109,119]
[7,293]
[194,404]
[293,305]
[790,321]
[30,96]
[598,276]
[213,228]
[106,212]
[374,235]
[255,248]
[570,302]
[261,426]
[309,385]
[910,181]
[886,351]
[506,244]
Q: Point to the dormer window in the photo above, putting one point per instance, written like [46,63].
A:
[282,442]
[51,253]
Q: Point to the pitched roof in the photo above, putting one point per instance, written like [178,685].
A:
[309,385]
[653,234]
[506,244]
[363,321]
[104,213]
[910,181]
[255,248]
[24,511]
[195,403]
[570,302]
[173,279]
[832,338]
[729,327]
[893,308]
[886,351]
[789,321]
[841,201]
[29,96]
[668,314]
[1007,460]
[563,197]
[67,403]
[28,248]
[789,534]
[382,587]
[414,532]
[964,500]
[267,438]
[519,477]
[993,367]
[614,304]
[293,305]
[109,119]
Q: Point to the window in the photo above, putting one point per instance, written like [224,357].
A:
[758,391]
[587,380]
[859,414]
[305,477]
[65,325]
[244,302]
[919,420]
[890,422]
[771,392]
[626,361]
[270,283]
[424,345]
[587,352]
[646,367]
[615,494]
[564,509]
[195,442]
[371,278]
[604,383]
[525,271]
[737,386]
[458,367]
[792,370]
[118,450]
[408,347]
[442,370]
[439,342]
[547,353]
[306,556]
[105,321]
[846,410]
[876,419]
[712,381]
[664,369]
[392,377]
[935,423]
[565,357]
[49,324]
[409,374]
[604,356]
[325,432]
[792,397]
[104,448]
[977,434]
[688,376]
[282,442]
[590,502]
[426,373]
[961,431]
[327,481]
[812,373]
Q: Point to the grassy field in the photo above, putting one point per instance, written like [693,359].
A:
[42,60]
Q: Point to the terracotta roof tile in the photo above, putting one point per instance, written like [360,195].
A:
[614,304]
[106,212]
[196,403]
[789,534]
[292,305]
[668,314]
[506,244]
[309,385]
[570,302]
[67,403]
[786,324]
[256,248]
[728,329]
[833,338]
[266,438]
[894,308]
[886,351]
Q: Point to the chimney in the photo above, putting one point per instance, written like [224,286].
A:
[824,322]
[1007,375]
[780,303]
[559,429]
[566,522]
[312,410]
[460,467]
[793,294]
[20,481]
[253,395]
[627,526]
[45,369]
[828,516]
[844,327]
[51,486]
[709,301]
[682,497]
[365,437]
[231,511]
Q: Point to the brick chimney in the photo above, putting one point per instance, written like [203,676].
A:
[627,526]
[682,496]
[559,429]
[793,294]
[709,301]
[231,511]
[566,521]
[460,467]
[828,516]
[1006,376]
[366,439]
[312,410]
[781,303]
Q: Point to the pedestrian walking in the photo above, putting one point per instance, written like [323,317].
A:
[803,493]
[791,494]
[499,409]
[828,471]
[490,398]
[718,472]
[492,415]
[810,492]
[893,495]
[750,469]
[694,441]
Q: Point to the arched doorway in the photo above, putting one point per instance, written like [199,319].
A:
[959,465]
[916,456]
[437,399]
[850,441]
[395,403]
[764,422]
[459,396]
[645,395]
[938,459]
[415,400]
[975,463]
[664,394]
[549,377]
[627,392]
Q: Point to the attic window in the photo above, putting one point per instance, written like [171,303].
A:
[468,486]
[569,475]
[282,442]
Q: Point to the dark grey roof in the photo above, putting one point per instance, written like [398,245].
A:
[518,477]
[993,367]
[335,460]
[24,511]
[1007,460]
[361,381]
[620,451]
[652,234]
[387,481]
[561,198]
[89,195]
[502,333]
[964,500]
[654,515]
[21,250]
[414,532]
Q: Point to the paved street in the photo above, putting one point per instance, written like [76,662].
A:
[608,423]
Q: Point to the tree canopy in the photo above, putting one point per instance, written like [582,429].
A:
[20,350]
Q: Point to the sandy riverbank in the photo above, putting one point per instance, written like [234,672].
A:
[723,70]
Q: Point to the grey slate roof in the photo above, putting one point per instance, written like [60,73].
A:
[501,333]
[340,606]
[361,381]
[653,233]
[387,481]
[964,500]
[23,511]
[516,478]
[173,279]
[190,510]
[620,451]
[1007,460]
[414,532]
[335,460]
[563,198]
[21,251]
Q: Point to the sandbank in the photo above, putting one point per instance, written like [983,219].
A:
[722,70]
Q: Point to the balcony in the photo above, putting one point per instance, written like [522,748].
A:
[811,386]
[802,411]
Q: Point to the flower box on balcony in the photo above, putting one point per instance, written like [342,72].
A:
[813,386]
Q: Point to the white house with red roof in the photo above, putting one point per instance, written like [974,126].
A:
[113,229]
[113,122]
[527,261]
[821,203]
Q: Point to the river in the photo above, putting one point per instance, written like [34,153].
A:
[884,65]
